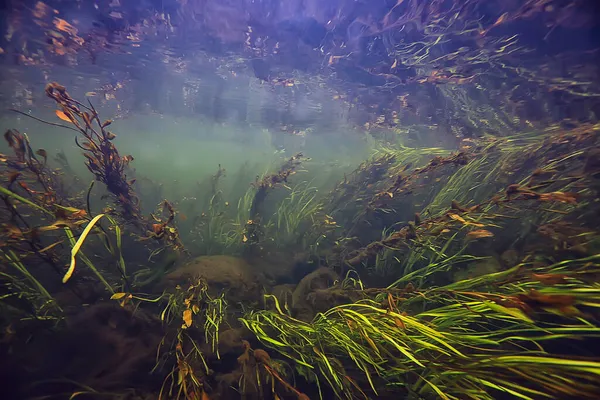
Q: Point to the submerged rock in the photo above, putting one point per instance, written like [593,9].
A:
[322,278]
[232,274]
[105,346]
[230,341]
[510,258]
[278,268]
[283,293]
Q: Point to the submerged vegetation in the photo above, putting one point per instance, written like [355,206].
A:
[492,252]
[458,269]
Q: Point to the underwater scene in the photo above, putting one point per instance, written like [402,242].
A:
[300,199]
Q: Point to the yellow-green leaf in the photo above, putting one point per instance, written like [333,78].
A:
[513,312]
[77,246]
[187,317]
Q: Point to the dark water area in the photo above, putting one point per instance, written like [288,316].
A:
[260,199]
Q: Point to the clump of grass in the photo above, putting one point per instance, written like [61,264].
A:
[468,343]
[499,332]
[192,308]
[294,216]
[27,288]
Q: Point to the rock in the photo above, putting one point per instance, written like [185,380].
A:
[322,300]
[277,268]
[232,274]
[230,341]
[283,293]
[510,258]
[322,278]
[104,346]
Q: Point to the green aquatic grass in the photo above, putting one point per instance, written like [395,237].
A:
[371,339]
[299,207]
[33,289]
[420,336]
[189,308]
[460,186]
[214,316]
[404,155]
[214,231]
[23,200]
[466,343]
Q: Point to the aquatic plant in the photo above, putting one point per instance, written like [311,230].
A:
[294,216]
[404,155]
[270,181]
[254,225]
[468,342]
[216,233]
[423,227]
[39,303]
[189,309]
[108,166]
[219,232]
[259,370]
[103,158]
[243,222]
[499,331]
[482,174]
[36,215]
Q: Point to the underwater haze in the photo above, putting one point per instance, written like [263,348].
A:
[300,199]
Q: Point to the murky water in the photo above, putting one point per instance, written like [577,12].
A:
[299,199]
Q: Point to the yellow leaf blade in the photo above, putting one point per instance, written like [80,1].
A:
[187,317]
[63,116]
[77,246]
